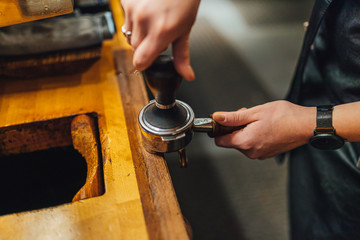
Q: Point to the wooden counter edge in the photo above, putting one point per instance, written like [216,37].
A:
[162,212]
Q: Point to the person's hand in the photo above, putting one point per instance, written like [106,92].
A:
[157,23]
[271,128]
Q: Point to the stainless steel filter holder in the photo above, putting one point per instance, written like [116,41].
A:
[167,125]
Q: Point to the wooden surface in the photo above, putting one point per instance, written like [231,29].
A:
[51,64]
[19,11]
[85,140]
[118,214]
[164,219]
[36,136]
[139,201]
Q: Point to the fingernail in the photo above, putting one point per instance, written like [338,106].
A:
[219,117]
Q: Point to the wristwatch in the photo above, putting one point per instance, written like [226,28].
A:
[325,137]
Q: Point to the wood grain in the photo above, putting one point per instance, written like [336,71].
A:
[84,139]
[69,61]
[139,200]
[118,213]
[163,215]
[19,11]
[39,135]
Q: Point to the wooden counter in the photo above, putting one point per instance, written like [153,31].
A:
[139,200]
[19,11]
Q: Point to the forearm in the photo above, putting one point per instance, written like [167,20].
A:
[346,121]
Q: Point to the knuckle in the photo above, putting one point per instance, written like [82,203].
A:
[128,6]
[237,117]
[124,3]
[134,43]
[140,12]
[251,149]
[164,30]
[282,104]
[252,154]
[219,142]
[246,145]
[140,18]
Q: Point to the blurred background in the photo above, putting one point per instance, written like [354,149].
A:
[244,53]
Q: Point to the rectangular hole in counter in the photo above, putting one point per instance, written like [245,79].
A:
[50,162]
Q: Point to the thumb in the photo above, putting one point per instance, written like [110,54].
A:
[237,118]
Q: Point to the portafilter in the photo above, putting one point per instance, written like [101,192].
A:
[167,125]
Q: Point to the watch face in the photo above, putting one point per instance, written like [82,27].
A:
[326,141]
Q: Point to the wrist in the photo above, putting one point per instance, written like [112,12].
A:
[307,123]
[303,123]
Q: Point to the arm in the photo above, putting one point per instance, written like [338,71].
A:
[346,121]
[280,126]
[157,23]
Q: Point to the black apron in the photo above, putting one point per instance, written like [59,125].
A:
[324,187]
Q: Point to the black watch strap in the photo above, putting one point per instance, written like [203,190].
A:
[324,120]
[325,137]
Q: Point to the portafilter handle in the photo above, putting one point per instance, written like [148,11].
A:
[212,128]
[163,81]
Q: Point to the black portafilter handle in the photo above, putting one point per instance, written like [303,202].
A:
[163,81]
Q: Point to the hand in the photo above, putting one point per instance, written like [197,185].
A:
[271,128]
[157,23]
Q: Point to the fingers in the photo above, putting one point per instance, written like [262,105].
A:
[128,23]
[138,35]
[225,141]
[151,46]
[231,140]
[149,39]
[240,140]
[270,129]
[147,51]
[142,26]
[154,25]
[241,117]
[128,16]
[182,57]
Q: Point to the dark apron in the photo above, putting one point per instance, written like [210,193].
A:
[324,187]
